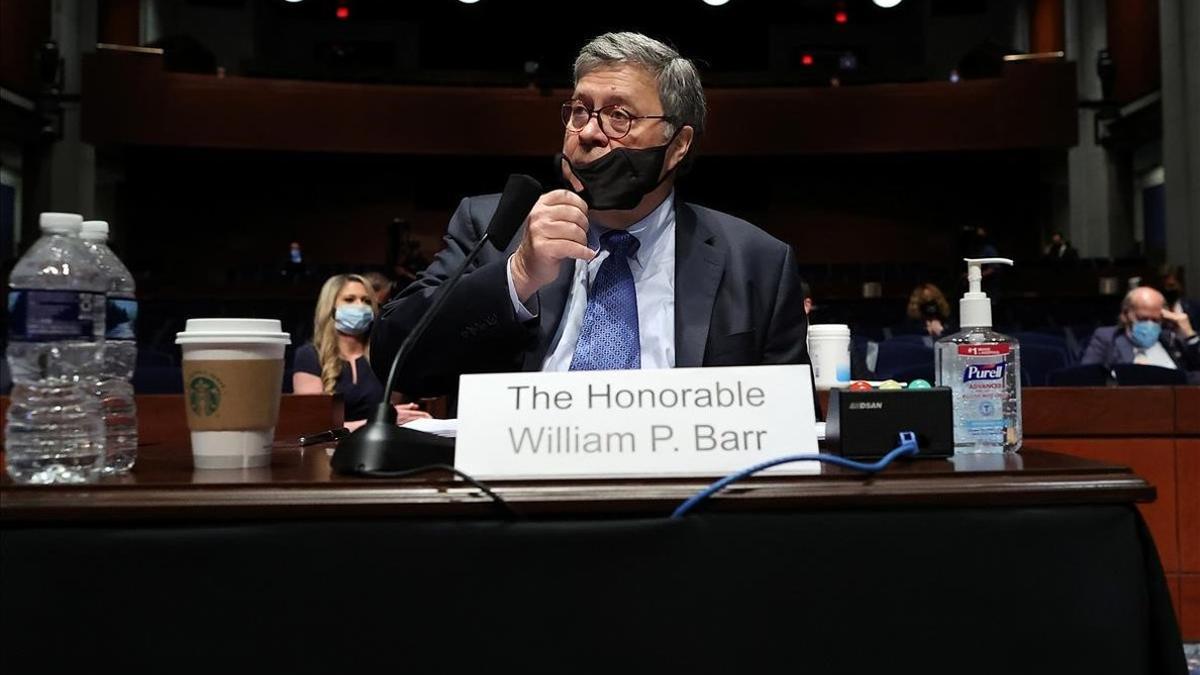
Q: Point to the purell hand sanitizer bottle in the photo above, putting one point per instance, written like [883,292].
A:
[983,370]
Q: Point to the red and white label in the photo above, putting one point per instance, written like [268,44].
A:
[990,349]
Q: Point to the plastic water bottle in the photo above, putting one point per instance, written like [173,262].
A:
[53,432]
[120,352]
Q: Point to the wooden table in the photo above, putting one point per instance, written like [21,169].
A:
[299,484]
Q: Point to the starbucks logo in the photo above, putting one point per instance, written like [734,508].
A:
[204,395]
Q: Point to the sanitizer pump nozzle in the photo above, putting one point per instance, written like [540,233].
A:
[975,308]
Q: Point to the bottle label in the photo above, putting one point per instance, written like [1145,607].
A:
[998,349]
[50,316]
[121,317]
[982,392]
[984,372]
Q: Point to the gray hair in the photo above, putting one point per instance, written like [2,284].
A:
[679,87]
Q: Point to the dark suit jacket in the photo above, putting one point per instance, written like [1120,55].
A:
[737,302]
[1110,346]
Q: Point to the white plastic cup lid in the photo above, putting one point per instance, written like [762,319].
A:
[94,230]
[60,222]
[829,330]
[206,331]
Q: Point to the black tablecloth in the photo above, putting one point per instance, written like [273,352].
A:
[999,590]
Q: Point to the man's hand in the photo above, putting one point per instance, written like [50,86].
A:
[1182,324]
[555,230]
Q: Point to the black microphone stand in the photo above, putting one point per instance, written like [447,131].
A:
[379,446]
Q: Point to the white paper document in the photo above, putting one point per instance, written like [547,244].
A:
[432,425]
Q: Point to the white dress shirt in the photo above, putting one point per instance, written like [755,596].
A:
[1156,355]
[653,268]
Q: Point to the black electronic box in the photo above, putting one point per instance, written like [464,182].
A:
[867,424]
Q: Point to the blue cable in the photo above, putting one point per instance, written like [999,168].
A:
[907,447]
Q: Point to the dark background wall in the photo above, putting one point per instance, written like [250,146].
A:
[249,206]
[192,209]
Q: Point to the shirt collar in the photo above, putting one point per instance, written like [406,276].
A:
[648,230]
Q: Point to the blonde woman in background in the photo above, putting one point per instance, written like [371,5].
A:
[336,361]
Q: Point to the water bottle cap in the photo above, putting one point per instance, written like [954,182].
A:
[94,230]
[60,223]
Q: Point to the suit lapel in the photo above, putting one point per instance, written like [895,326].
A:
[699,264]
[1124,347]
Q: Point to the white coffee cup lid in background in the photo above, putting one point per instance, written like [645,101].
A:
[829,330]
[206,331]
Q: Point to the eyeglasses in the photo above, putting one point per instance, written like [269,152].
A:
[614,121]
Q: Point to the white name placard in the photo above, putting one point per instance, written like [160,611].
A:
[626,423]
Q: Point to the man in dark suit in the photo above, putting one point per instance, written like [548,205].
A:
[1060,250]
[1147,334]
[614,272]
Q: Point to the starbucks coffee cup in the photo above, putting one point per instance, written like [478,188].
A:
[232,379]
[829,350]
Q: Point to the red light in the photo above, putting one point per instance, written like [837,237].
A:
[343,13]
[841,16]
[807,59]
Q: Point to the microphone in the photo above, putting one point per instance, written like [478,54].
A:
[381,448]
[521,192]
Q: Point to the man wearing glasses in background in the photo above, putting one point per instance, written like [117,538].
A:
[613,272]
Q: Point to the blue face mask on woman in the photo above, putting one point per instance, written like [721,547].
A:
[1145,333]
[353,319]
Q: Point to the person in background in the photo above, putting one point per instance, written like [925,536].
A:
[336,361]
[381,286]
[293,266]
[1170,283]
[981,245]
[1060,250]
[1146,334]
[928,308]
[978,243]
[806,291]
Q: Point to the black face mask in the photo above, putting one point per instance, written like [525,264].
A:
[619,180]
[930,310]
[1171,295]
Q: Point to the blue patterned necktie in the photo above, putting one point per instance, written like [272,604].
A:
[609,338]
